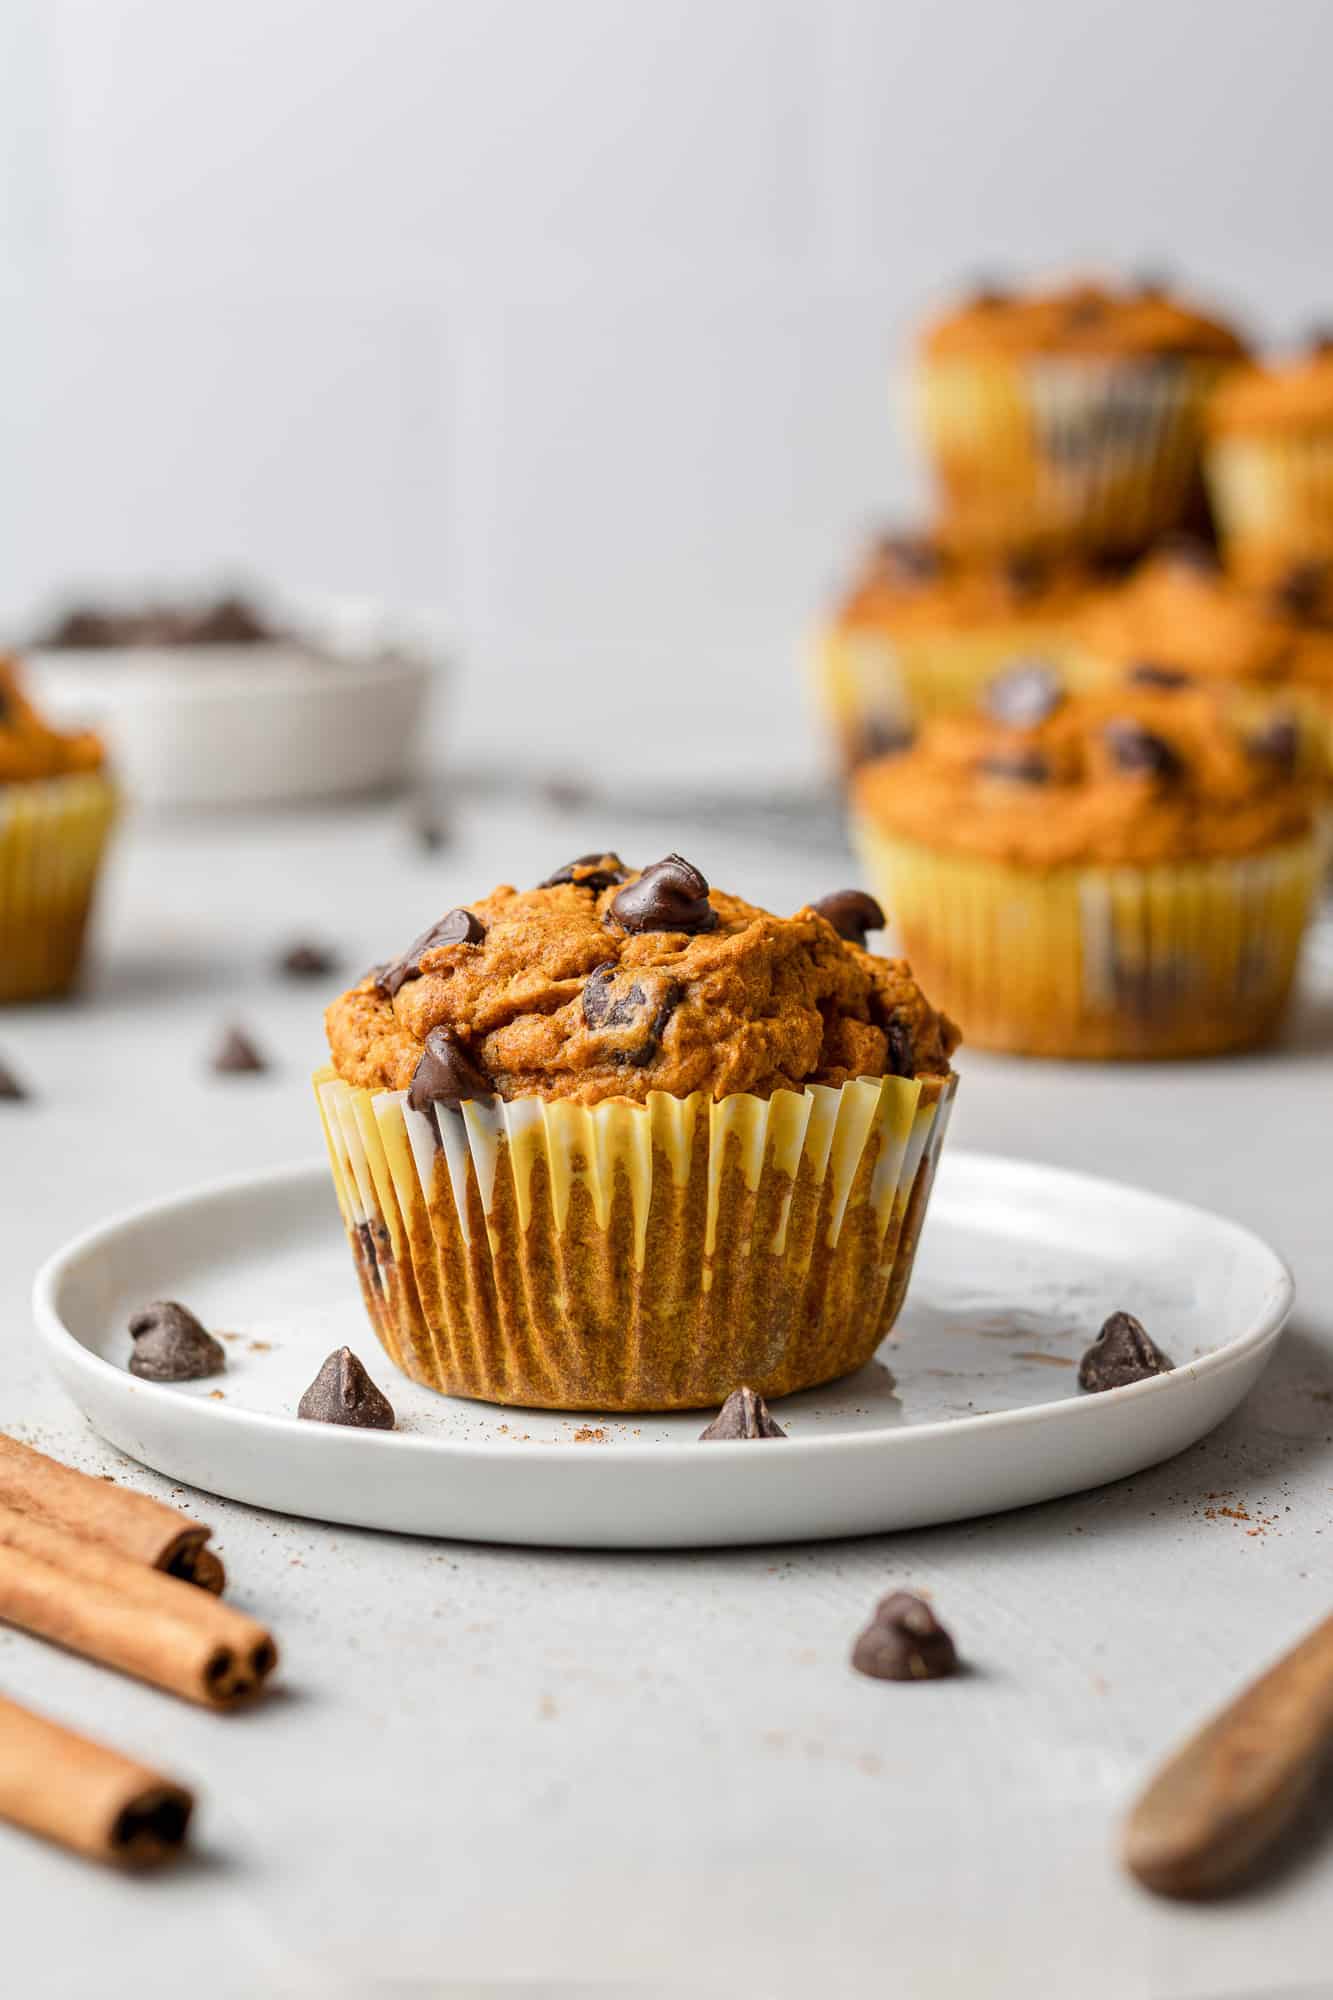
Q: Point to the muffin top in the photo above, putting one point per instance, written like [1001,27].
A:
[607,981]
[1179,614]
[1078,319]
[1285,397]
[1047,779]
[29,748]
[911,582]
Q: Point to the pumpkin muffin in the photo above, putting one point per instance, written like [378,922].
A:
[1120,874]
[56,808]
[1069,418]
[921,631]
[1269,462]
[620,1142]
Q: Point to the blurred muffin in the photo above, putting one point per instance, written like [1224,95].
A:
[921,632]
[1269,462]
[621,1143]
[56,808]
[1123,874]
[1068,418]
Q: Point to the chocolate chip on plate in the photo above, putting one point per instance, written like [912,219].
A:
[852,913]
[589,871]
[12,1091]
[343,1393]
[1017,767]
[447,1074]
[455,927]
[743,1415]
[670,896]
[236,1055]
[308,960]
[1024,694]
[170,1345]
[904,1641]
[1278,743]
[1123,1352]
[641,1002]
[1141,752]
[1150,673]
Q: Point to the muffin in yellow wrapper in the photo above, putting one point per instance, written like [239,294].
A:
[1269,463]
[622,1142]
[52,835]
[1070,419]
[635,1256]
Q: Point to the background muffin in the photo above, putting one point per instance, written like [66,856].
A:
[1069,418]
[618,1142]
[1269,462]
[56,809]
[1126,874]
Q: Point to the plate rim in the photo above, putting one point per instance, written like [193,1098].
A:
[66,1352]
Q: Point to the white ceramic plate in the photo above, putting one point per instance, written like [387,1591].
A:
[1018,1266]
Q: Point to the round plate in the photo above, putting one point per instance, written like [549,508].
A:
[971,1406]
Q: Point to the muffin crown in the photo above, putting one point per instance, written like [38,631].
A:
[1283,398]
[1079,319]
[29,748]
[1181,613]
[609,981]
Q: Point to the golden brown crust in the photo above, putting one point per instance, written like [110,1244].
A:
[1078,319]
[1294,397]
[760,1003]
[29,748]
[962,789]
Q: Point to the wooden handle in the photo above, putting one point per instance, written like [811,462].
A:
[1231,1791]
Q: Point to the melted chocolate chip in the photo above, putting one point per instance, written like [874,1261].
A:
[446,1074]
[1148,673]
[12,1091]
[1278,743]
[305,960]
[852,914]
[901,1052]
[743,1415]
[612,999]
[908,558]
[589,871]
[170,1345]
[904,1641]
[880,738]
[1300,593]
[1140,752]
[1017,767]
[237,1055]
[1123,1352]
[456,927]
[1190,552]
[1024,572]
[1024,694]
[343,1393]
[670,896]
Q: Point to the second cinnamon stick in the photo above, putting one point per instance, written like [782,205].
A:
[144,1529]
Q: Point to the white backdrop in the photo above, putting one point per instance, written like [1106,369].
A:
[575,316]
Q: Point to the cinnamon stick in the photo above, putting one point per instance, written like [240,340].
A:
[97,1602]
[144,1529]
[87,1797]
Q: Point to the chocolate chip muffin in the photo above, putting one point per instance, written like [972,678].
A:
[1070,417]
[57,804]
[1269,462]
[1125,874]
[621,1141]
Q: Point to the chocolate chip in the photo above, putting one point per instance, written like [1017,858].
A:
[170,1345]
[1024,572]
[308,961]
[231,621]
[908,558]
[1139,752]
[852,914]
[1300,592]
[904,1641]
[1085,309]
[612,999]
[743,1415]
[1122,1353]
[446,1074]
[670,896]
[343,1393]
[1024,694]
[431,832]
[455,927]
[12,1091]
[1278,743]
[901,1051]
[589,871]
[236,1055]
[1017,767]
[1148,673]
[1319,340]
[880,738]
[1190,552]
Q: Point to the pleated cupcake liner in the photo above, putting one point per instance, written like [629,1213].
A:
[1172,959]
[53,833]
[1082,454]
[1272,498]
[635,1256]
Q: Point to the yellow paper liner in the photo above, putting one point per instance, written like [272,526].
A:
[627,1256]
[1097,456]
[1179,959]
[1273,498]
[52,836]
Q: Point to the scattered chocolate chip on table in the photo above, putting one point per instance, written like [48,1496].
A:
[237,1055]
[12,1091]
[308,960]
[904,1641]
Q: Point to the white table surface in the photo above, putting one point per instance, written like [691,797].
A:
[657,1773]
